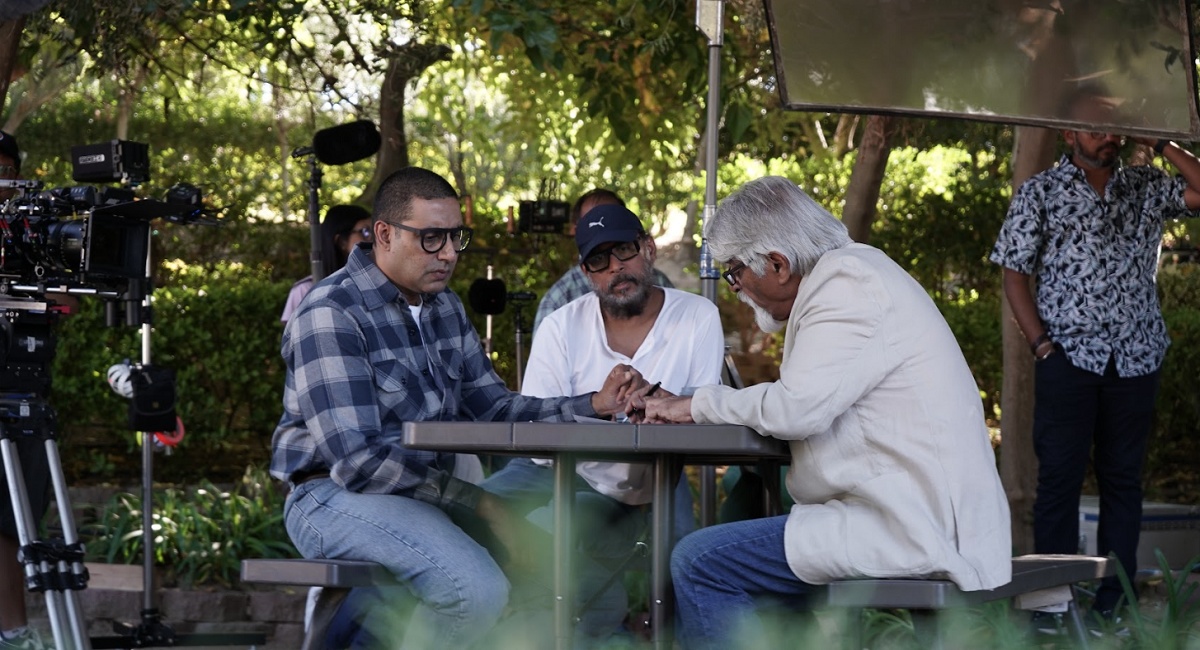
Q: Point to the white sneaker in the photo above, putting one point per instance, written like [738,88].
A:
[1105,627]
[1048,623]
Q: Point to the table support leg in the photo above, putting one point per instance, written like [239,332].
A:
[662,599]
[708,496]
[772,490]
[564,543]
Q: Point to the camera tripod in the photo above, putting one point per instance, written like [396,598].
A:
[56,567]
[53,567]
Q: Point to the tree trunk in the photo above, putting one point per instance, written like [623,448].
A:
[1053,66]
[686,252]
[10,39]
[862,195]
[403,66]
[393,152]
[127,100]
[843,135]
[1032,153]
[283,127]
[48,86]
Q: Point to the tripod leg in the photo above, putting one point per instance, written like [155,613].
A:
[70,565]
[37,569]
[66,621]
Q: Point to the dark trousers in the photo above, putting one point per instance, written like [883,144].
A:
[1078,413]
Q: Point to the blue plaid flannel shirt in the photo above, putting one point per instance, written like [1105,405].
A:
[358,368]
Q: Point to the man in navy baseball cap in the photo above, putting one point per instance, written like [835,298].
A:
[603,225]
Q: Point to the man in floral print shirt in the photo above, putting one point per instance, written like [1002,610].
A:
[1088,231]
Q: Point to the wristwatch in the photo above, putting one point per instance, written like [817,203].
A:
[1160,145]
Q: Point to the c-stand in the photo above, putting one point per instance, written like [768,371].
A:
[152,631]
[519,301]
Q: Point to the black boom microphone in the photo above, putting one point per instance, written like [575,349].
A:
[346,143]
[487,296]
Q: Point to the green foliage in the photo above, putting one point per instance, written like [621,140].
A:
[975,321]
[1179,286]
[201,534]
[1170,473]
[940,211]
[1174,625]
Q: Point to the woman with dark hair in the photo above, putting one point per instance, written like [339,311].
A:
[342,229]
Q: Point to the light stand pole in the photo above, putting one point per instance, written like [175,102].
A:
[314,218]
[710,18]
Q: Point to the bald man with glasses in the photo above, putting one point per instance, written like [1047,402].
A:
[382,342]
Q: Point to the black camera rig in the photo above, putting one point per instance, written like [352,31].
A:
[76,239]
[86,239]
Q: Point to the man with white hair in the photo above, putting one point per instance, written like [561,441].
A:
[892,471]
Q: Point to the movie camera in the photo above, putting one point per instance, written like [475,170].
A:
[81,240]
[86,239]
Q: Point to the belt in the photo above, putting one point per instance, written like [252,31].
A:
[305,477]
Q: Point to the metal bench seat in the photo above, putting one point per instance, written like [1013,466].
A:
[335,577]
[1037,581]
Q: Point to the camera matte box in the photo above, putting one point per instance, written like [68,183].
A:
[543,216]
[111,162]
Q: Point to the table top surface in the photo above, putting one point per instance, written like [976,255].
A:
[698,442]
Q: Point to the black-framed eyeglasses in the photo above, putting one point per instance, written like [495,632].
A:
[731,273]
[433,239]
[624,251]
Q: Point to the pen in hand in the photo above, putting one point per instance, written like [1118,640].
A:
[639,412]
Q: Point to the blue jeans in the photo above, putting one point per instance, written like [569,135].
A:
[1078,414]
[724,575]
[459,588]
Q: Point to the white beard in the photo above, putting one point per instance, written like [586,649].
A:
[765,321]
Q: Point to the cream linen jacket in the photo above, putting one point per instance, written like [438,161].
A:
[892,471]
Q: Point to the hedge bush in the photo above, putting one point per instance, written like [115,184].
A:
[219,330]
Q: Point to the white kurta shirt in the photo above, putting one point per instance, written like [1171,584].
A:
[571,356]
[892,471]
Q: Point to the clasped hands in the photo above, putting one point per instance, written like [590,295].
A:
[626,391]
